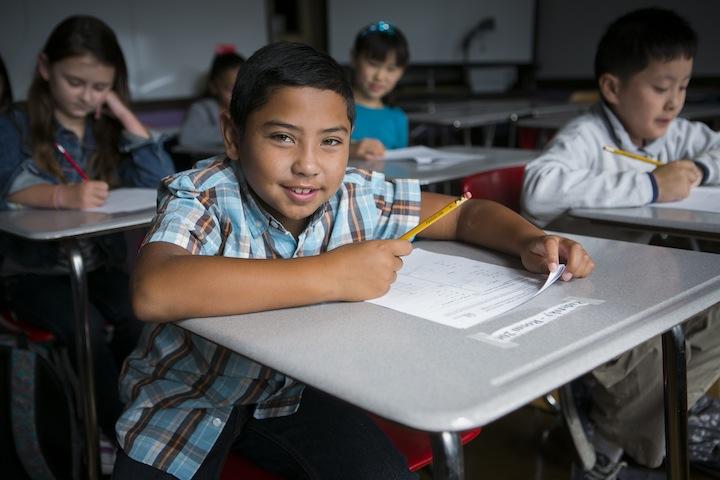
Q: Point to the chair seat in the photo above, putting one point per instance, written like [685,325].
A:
[502,185]
[413,444]
[11,323]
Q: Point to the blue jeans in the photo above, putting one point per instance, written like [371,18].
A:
[325,439]
[46,301]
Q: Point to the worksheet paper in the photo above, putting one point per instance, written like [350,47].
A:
[459,292]
[127,200]
[422,154]
[703,199]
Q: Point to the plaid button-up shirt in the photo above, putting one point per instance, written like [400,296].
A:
[180,388]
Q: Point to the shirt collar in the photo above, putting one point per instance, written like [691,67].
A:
[66,137]
[622,137]
[257,218]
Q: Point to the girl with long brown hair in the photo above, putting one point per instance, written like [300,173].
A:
[77,107]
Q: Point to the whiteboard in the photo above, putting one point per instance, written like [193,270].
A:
[168,44]
[435,29]
[569,32]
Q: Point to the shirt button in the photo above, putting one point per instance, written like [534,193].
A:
[217,422]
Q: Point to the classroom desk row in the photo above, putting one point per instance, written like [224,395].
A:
[442,379]
[487,114]
[520,113]
[551,122]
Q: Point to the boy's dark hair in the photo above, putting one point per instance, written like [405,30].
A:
[378,39]
[285,64]
[634,40]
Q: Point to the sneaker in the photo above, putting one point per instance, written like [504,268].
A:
[704,436]
[107,454]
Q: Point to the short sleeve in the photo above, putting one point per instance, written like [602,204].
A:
[187,218]
[398,205]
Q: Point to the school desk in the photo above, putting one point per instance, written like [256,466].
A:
[485,113]
[67,227]
[443,380]
[442,172]
[685,223]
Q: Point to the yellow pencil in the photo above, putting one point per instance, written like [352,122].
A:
[634,156]
[436,216]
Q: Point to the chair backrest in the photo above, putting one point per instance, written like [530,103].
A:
[413,444]
[502,185]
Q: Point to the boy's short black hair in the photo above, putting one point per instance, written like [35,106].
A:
[377,40]
[285,64]
[634,40]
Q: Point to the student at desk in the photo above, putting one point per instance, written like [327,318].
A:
[279,223]
[201,127]
[75,140]
[379,57]
[643,66]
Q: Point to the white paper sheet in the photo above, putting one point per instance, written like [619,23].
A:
[703,199]
[459,292]
[422,154]
[127,200]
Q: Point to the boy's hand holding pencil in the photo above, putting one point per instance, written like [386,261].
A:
[365,270]
[674,179]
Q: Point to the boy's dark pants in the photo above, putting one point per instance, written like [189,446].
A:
[324,439]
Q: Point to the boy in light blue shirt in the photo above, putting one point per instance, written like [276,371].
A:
[279,223]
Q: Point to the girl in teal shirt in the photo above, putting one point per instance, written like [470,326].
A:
[379,57]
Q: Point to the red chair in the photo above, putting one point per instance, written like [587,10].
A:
[413,444]
[502,185]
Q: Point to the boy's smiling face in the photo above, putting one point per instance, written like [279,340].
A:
[294,151]
[649,100]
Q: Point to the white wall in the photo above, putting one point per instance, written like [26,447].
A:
[435,28]
[569,31]
[168,44]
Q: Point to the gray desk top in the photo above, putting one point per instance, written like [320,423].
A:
[557,120]
[489,112]
[689,223]
[437,378]
[37,224]
[439,171]
[553,121]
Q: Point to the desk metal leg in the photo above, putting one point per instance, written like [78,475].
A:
[84,355]
[447,452]
[675,384]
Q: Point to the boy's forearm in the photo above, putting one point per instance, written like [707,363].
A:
[492,225]
[176,287]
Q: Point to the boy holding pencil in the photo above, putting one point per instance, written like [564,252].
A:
[643,66]
[280,223]
[632,150]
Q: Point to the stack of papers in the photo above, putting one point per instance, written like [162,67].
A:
[702,199]
[127,200]
[422,154]
[459,292]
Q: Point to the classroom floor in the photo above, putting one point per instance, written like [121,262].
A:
[512,449]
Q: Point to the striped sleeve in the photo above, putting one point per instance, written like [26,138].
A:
[398,204]
[187,218]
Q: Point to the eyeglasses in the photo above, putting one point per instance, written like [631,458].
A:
[380,27]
